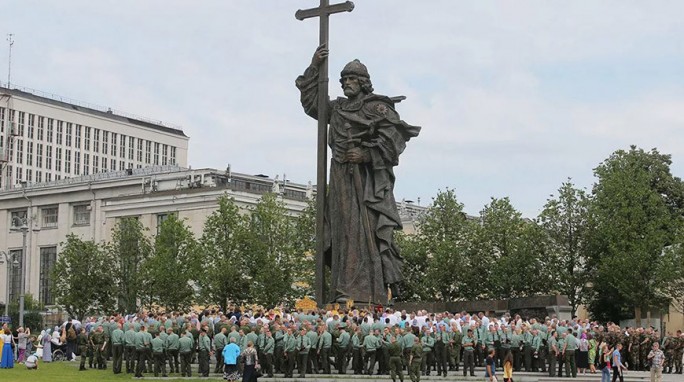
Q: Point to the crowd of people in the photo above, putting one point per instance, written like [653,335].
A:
[264,342]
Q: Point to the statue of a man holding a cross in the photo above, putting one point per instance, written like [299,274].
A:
[366,137]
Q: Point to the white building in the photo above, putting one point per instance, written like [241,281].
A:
[89,206]
[46,137]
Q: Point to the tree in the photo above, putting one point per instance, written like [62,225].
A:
[443,234]
[415,286]
[169,274]
[565,219]
[83,278]
[128,250]
[273,261]
[305,248]
[637,212]
[223,242]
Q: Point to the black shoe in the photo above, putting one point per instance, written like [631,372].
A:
[82,369]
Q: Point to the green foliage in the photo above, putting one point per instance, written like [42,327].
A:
[32,317]
[636,212]
[305,249]
[82,278]
[128,250]
[223,242]
[565,220]
[169,274]
[415,286]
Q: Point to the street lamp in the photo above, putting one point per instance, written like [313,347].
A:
[10,260]
[20,225]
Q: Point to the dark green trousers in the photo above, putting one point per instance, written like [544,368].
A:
[159,364]
[186,360]
[396,368]
[117,355]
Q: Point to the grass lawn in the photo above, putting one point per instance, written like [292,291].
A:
[68,372]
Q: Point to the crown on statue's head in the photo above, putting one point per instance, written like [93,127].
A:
[355,67]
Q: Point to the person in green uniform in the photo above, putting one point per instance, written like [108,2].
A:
[268,349]
[99,343]
[469,344]
[278,350]
[323,349]
[442,338]
[129,348]
[536,351]
[357,352]
[172,348]
[142,349]
[290,351]
[303,347]
[220,341]
[185,347]
[408,340]
[415,360]
[427,341]
[455,348]
[204,347]
[82,342]
[371,343]
[561,354]
[395,360]
[516,348]
[527,348]
[118,340]
[343,344]
[569,349]
[552,344]
[158,349]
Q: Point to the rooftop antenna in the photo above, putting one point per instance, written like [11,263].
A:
[10,39]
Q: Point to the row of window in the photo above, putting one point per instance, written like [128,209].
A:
[48,257]
[49,216]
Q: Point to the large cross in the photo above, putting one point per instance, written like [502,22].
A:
[323,12]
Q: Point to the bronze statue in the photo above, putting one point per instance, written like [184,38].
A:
[366,137]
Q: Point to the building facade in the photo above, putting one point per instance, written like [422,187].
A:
[44,138]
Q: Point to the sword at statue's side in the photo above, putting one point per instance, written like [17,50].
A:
[322,12]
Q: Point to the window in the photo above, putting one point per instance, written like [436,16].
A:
[58,159]
[39,176]
[96,140]
[161,218]
[82,214]
[48,257]
[22,116]
[131,147]
[140,149]
[69,130]
[156,153]
[49,216]
[41,127]
[29,153]
[105,142]
[48,157]
[20,174]
[31,124]
[77,163]
[15,274]
[173,155]
[104,164]
[78,137]
[29,175]
[20,151]
[86,164]
[122,147]
[113,164]
[60,132]
[50,126]
[122,165]
[86,142]
[18,217]
[2,119]
[67,162]
[48,177]
[113,152]
[96,164]
[39,155]
[148,152]
[165,155]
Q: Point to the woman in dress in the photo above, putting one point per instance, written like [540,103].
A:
[251,360]
[592,353]
[47,346]
[583,354]
[7,361]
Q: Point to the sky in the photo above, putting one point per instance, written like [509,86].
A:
[514,97]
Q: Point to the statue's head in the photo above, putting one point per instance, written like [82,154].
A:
[355,79]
